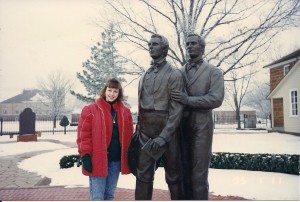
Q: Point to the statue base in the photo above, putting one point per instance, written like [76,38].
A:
[27,138]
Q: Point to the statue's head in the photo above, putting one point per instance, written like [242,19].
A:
[158,46]
[195,45]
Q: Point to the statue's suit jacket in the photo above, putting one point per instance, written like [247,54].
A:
[205,88]
[168,80]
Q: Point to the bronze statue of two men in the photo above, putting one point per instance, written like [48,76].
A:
[175,117]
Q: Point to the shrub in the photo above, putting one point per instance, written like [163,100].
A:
[64,121]
[69,161]
[280,163]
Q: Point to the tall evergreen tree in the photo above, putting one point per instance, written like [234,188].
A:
[104,63]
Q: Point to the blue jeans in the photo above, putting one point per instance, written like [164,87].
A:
[103,188]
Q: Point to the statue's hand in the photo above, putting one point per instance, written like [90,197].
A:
[157,143]
[179,97]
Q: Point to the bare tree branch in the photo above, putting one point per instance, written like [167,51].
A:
[254,24]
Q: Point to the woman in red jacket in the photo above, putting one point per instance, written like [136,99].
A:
[104,131]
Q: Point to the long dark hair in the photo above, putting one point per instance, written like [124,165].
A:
[113,83]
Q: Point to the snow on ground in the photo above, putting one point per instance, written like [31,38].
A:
[248,184]
[255,142]
[15,148]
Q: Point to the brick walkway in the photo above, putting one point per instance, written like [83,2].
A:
[82,194]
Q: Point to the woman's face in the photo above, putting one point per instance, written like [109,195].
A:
[111,94]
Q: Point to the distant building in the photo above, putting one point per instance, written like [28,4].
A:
[284,93]
[12,107]
[75,115]
[226,115]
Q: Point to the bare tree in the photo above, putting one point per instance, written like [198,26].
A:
[236,90]
[231,27]
[53,90]
[237,32]
[257,98]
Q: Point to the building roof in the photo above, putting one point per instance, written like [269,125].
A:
[296,66]
[286,59]
[26,95]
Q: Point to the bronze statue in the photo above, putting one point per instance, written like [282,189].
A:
[204,91]
[158,120]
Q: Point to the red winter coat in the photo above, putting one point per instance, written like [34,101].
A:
[94,134]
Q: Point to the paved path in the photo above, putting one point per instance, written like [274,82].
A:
[17,184]
[82,194]
[13,177]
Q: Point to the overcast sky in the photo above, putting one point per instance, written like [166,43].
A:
[38,36]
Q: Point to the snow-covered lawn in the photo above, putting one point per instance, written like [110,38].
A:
[248,184]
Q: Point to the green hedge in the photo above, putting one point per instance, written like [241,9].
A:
[280,163]
[69,161]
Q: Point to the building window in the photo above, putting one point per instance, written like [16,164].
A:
[286,69]
[294,102]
